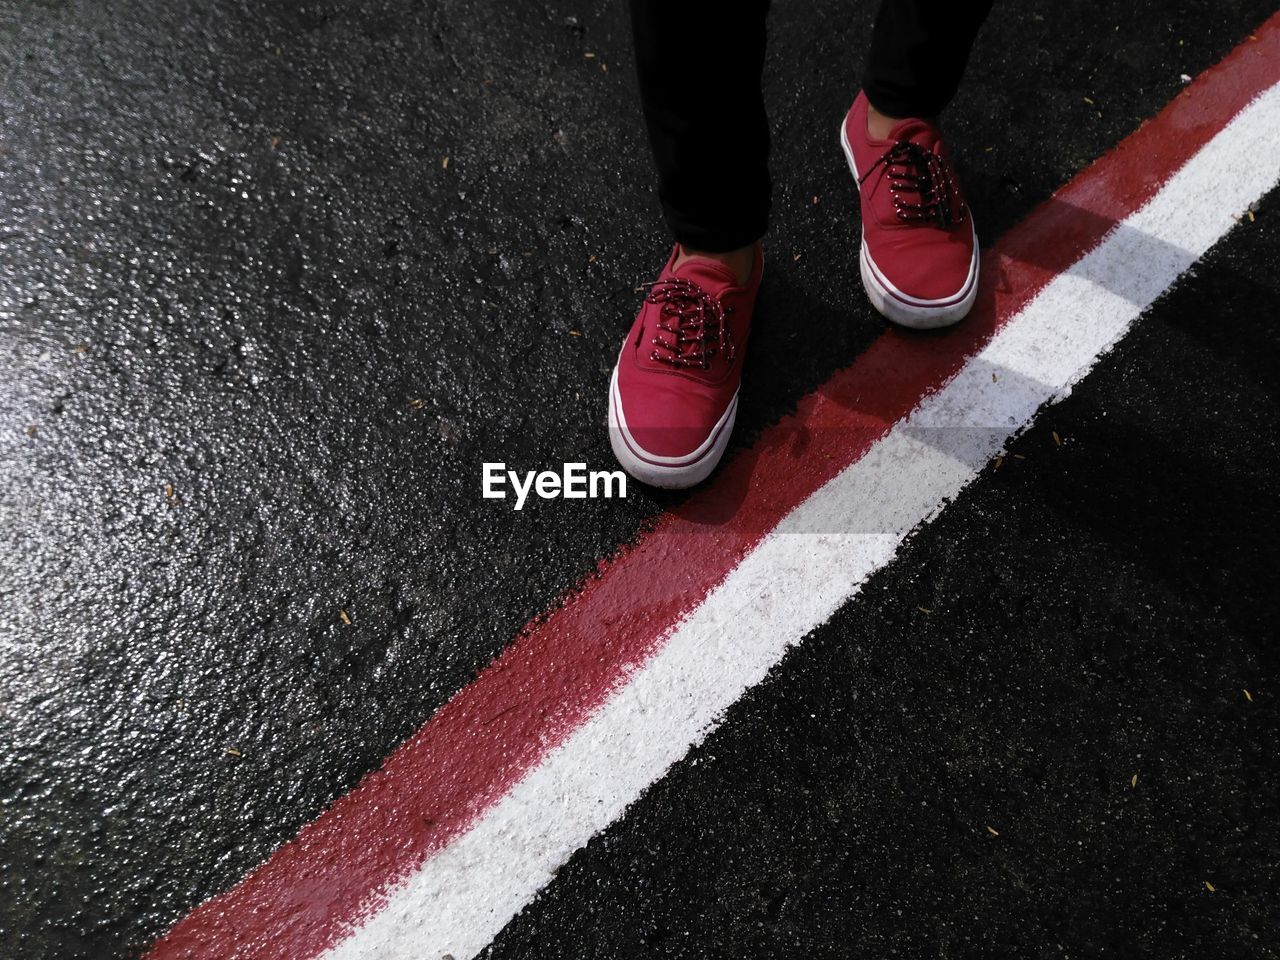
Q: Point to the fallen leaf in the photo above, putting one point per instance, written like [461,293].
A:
[993,831]
[234,752]
[444,163]
[1248,696]
[1133,782]
[1057,440]
[1210,887]
[342,615]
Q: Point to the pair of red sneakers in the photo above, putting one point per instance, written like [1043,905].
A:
[674,391]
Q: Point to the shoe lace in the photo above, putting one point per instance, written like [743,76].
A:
[696,324]
[914,171]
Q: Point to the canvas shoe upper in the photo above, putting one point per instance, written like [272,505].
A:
[674,391]
[919,252]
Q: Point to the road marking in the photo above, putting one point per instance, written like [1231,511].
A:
[468,819]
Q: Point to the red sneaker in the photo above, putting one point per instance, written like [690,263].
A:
[919,254]
[674,392]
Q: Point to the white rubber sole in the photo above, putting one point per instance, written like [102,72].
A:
[903,309]
[670,473]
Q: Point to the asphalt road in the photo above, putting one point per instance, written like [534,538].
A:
[947,768]
[258,337]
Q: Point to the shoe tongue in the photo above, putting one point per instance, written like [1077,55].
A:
[711,275]
[917,131]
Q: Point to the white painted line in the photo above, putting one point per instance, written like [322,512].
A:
[817,559]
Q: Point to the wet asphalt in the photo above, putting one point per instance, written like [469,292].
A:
[276,279]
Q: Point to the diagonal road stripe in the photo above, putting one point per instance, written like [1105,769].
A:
[434,853]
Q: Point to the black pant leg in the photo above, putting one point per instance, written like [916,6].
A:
[919,49]
[699,63]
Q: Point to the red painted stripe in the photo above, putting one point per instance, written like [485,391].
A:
[562,666]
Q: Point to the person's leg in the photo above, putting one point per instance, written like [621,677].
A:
[699,66]
[919,252]
[673,395]
[919,49]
